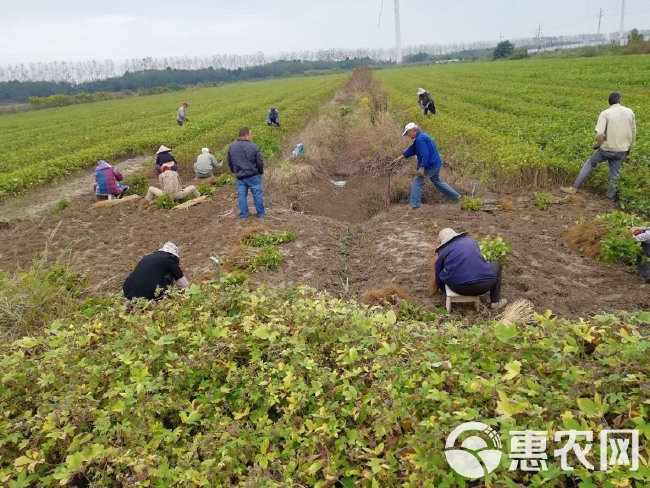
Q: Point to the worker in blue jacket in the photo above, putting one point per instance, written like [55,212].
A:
[461,266]
[429,165]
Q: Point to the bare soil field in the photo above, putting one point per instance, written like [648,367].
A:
[344,252]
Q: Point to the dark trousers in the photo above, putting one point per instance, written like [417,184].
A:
[429,108]
[480,287]
[644,268]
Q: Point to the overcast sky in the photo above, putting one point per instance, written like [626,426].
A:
[48,30]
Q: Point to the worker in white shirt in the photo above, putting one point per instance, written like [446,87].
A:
[615,136]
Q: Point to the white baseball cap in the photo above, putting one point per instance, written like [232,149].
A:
[409,126]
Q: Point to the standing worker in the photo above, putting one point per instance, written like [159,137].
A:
[429,165]
[155,274]
[615,136]
[425,101]
[273,117]
[245,161]
[180,116]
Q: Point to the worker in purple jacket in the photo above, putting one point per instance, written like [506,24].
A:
[461,266]
[107,180]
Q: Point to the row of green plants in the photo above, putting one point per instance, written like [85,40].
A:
[224,386]
[40,146]
[530,121]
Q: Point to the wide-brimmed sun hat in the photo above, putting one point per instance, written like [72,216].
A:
[409,126]
[171,248]
[162,149]
[447,234]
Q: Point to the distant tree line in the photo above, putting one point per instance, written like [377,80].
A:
[44,93]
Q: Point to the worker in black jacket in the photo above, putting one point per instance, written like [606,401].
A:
[425,101]
[245,161]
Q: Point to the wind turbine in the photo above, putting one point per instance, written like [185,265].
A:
[398,35]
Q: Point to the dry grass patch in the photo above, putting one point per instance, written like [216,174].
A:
[507,205]
[586,237]
[249,231]
[389,294]
[518,312]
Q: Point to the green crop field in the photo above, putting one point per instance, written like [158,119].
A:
[39,146]
[530,121]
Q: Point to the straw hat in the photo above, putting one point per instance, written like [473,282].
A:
[162,149]
[447,235]
[171,248]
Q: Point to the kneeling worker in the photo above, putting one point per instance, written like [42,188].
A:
[462,268]
[155,274]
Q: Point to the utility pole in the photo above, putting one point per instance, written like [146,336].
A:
[538,36]
[600,17]
[398,35]
[620,35]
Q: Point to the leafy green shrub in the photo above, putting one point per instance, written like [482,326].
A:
[221,386]
[31,300]
[473,204]
[138,184]
[619,245]
[61,204]
[269,238]
[224,179]
[544,200]
[268,258]
[205,189]
[495,249]
[234,278]
[164,202]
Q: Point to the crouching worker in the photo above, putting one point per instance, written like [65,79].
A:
[155,274]
[273,117]
[206,164]
[170,183]
[462,268]
[642,236]
[107,180]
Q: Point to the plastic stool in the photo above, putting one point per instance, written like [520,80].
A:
[455,297]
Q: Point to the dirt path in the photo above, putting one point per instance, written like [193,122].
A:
[44,200]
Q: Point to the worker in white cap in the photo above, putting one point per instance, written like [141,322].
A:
[155,274]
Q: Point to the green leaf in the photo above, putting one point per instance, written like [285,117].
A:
[505,332]
[348,482]
[587,405]
[513,368]
[262,332]
[315,466]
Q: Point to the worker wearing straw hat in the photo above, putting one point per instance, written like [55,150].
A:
[461,266]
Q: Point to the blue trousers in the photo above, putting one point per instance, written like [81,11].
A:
[434,175]
[255,185]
